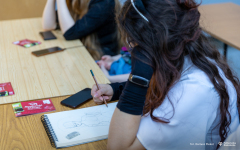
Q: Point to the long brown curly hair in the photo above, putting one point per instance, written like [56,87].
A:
[172,32]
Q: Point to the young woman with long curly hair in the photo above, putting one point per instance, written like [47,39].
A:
[181,93]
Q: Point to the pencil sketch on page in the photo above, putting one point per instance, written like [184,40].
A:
[90,119]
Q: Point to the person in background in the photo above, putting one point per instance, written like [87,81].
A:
[92,21]
[181,93]
[116,68]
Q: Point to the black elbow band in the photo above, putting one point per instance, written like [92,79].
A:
[132,101]
[133,95]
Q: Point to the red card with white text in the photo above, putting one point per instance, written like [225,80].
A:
[33,107]
[26,43]
[6,89]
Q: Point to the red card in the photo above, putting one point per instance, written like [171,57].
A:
[6,89]
[33,107]
[26,43]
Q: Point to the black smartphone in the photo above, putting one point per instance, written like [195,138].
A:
[78,98]
[47,51]
[48,35]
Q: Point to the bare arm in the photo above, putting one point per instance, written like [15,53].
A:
[118,78]
[65,19]
[124,125]
[49,16]
[115,58]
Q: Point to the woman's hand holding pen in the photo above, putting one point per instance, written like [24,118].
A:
[105,90]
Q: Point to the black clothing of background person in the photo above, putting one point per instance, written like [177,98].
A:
[100,18]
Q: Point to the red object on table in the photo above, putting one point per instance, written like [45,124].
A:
[6,87]
[33,107]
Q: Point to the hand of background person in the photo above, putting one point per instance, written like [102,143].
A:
[105,90]
[107,58]
[106,61]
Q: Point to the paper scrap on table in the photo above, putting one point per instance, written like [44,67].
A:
[26,43]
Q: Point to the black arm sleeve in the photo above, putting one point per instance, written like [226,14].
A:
[97,15]
[117,89]
[133,96]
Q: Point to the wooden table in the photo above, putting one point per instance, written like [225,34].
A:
[222,21]
[27,133]
[59,74]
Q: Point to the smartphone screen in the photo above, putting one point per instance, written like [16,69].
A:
[48,35]
[78,98]
[47,51]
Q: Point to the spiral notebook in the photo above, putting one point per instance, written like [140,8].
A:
[75,127]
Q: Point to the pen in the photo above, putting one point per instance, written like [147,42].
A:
[98,87]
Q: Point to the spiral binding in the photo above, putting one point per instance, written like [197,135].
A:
[49,130]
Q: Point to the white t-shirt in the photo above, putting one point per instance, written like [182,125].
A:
[196,105]
[232,142]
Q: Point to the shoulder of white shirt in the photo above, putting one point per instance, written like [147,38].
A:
[192,72]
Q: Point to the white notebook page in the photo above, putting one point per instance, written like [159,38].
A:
[82,125]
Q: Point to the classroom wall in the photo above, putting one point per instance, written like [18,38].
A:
[207,1]
[16,9]
[218,1]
